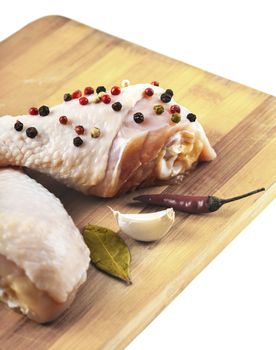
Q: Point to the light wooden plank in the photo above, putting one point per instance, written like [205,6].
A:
[54,55]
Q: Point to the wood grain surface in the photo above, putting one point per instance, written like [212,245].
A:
[55,55]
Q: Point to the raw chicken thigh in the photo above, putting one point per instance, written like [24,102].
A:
[108,143]
[43,258]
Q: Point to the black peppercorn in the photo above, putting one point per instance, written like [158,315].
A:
[138,117]
[31,132]
[165,98]
[191,117]
[43,111]
[77,141]
[18,126]
[100,89]
[67,97]
[117,106]
[169,92]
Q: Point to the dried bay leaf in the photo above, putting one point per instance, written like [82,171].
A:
[108,251]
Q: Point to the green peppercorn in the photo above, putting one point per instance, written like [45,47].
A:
[158,109]
[176,117]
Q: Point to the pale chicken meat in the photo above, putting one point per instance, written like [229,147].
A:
[43,258]
[110,147]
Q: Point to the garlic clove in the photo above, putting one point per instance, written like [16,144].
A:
[145,227]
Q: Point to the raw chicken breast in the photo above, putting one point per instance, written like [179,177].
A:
[43,258]
[125,156]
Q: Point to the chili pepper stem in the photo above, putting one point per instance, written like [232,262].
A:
[227,200]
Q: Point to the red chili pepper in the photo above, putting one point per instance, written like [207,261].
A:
[190,204]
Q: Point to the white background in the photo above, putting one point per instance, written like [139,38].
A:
[231,304]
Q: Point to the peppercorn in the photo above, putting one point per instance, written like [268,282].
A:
[77,94]
[149,92]
[63,120]
[77,141]
[83,101]
[79,129]
[31,132]
[100,88]
[33,111]
[117,106]
[191,117]
[95,132]
[43,111]
[125,83]
[176,117]
[174,109]
[101,94]
[96,99]
[88,90]
[169,92]
[67,97]
[155,83]
[106,98]
[165,97]
[158,109]
[138,117]
[18,126]
[115,90]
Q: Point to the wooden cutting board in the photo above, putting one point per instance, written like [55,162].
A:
[54,55]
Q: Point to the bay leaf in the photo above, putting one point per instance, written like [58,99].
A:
[108,251]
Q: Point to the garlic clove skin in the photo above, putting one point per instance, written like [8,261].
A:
[145,227]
